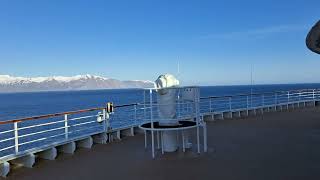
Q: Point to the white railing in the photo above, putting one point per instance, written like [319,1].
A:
[20,135]
[218,104]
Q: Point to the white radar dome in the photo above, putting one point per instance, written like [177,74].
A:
[166,80]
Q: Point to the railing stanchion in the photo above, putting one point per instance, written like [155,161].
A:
[104,112]
[16,137]
[299,97]
[135,114]
[313,94]
[66,126]
[210,105]
[247,102]
[144,106]
[152,126]
[313,97]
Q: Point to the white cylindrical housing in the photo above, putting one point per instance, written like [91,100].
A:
[167,107]
[166,98]
[170,143]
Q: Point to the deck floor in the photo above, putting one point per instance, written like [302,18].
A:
[279,145]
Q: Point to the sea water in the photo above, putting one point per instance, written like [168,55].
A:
[18,105]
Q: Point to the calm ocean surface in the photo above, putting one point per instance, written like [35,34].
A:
[17,105]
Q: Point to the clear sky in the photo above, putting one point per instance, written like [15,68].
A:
[216,42]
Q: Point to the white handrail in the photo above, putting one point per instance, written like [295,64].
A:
[38,125]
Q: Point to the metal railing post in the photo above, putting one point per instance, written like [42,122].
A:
[135,114]
[313,97]
[104,112]
[152,126]
[299,95]
[16,137]
[247,102]
[178,109]
[210,105]
[299,98]
[66,133]
[144,106]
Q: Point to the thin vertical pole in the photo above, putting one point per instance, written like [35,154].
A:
[145,139]
[177,136]
[210,109]
[247,102]
[288,100]
[179,106]
[205,143]
[197,116]
[313,94]
[183,141]
[158,139]
[251,77]
[247,105]
[162,151]
[262,103]
[135,114]
[313,97]
[299,95]
[104,114]
[198,138]
[104,119]
[66,126]
[16,137]
[210,105]
[144,105]
[152,126]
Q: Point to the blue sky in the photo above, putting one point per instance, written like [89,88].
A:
[216,42]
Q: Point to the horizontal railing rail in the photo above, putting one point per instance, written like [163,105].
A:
[60,114]
[248,94]
[49,115]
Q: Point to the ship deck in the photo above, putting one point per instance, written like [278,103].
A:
[276,145]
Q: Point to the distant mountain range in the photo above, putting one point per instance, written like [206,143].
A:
[62,83]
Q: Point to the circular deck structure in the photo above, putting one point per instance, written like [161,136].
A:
[170,112]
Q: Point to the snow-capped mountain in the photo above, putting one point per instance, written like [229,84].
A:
[60,83]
